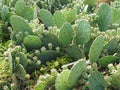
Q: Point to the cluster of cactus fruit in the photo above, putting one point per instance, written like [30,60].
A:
[50,34]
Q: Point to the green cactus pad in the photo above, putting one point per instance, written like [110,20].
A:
[104,61]
[74,52]
[78,68]
[96,81]
[20,72]
[50,38]
[4,13]
[115,15]
[24,10]
[48,56]
[82,32]
[59,19]
[70,15]
[61,82]
[115,80]
[23,58]
[105,17]
[46,17]
[41,85]
[96,48]
[32,42]
[20,25]
[66,34]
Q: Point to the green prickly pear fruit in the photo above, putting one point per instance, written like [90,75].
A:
[78,68]
[96,48]
[104,17]
[96,77]
[59,19]
[46,17]
[32,42]
[82,32]
[61,82]
[66,34]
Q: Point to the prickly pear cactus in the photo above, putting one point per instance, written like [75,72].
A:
[112,46]
[82,32]
[59,19]
[32,42]
[20,27]
[96,81]
[66,34]
[70,14]
[96,48]
[61,82]
[74,52]
[41,85]
[46,17]
[50,38]
[23,58]
[48,55]
[115,15]
[20,72]
[104,61]
[78,68]
[115,76]
[4,13]
[104,17]
[24,10]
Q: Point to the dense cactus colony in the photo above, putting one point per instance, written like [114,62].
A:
[59,45]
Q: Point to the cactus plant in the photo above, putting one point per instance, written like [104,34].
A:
[104,61]
[96,77]
[46,17]
[70,14]
[96,48]
[4,13]
[48,55]
[82,32]
[105,17]
[66,34]
[32,42]
[20,72]
[59,19]
[78,68]
[50,38]
[20,26]
[74,52]
[61,82]
[24,10]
